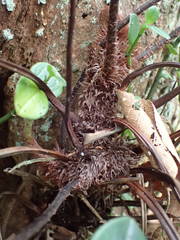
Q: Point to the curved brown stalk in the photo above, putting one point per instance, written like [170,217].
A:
[157,209]
[11,151]
[167,97]
[175,135]
[174,184]
[140,71]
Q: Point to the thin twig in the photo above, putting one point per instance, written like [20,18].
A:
[91,208]
[157,45]
[142,70]
[110,60]
[34,227]
[137,11]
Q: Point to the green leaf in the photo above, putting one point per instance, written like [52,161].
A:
[49,74]
[164,74]
[171,49]
[151,15]
[30,102]
[124,228]
[134,28]
[160,32]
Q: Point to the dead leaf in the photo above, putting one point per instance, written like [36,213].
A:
[143,116]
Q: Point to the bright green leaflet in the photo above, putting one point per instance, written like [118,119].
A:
[136,31]
[123,228]
[160,32]
[134,28]
[30,102]
[151,15]
[49,74]
[171,49]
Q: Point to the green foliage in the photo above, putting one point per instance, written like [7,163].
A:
[49,74]
[136,31]
[134,28]
[159,31]
[171,49]
[123,228]
[30,102]
[152,15]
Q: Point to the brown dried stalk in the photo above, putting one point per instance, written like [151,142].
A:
[34,227]
[140,71]
[71,25]
[157,209]
[167,97]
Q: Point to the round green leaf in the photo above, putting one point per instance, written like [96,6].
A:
[49,74]
[30,102]
[134,28]
[124,228]
[152,15]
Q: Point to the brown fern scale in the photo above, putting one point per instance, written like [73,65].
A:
[98,166]
[97,102]
[109,158]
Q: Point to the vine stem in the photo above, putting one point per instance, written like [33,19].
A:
[7,116]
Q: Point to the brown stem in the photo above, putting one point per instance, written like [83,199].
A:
[137,11]
[71,25]
[110,61]
[157,45]
[173,183]
[11,151]
[157,209]
[164,99]
[67,120]
[142,70]
[34,227]
[175,135]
